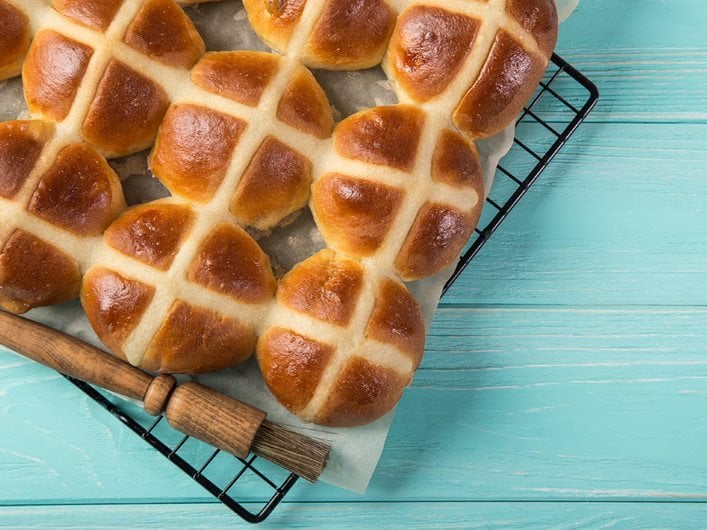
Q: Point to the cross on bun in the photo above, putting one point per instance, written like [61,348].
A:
[484,59]
[343,342]
[244,140]
[56,202]
[339,35]
[391,194]
[170,302]
[494,50]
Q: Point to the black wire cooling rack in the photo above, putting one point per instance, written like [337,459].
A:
[253,488]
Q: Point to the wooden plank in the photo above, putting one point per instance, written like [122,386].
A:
[510,403]
[541,515]
[648,58]
[618,219]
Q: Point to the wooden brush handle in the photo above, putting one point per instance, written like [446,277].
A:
[214,418]
[72,357]
[191,408]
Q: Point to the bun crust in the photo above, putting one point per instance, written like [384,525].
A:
[244,140]
[14,40]
[375,338]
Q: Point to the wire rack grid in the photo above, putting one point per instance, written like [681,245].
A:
[253,488]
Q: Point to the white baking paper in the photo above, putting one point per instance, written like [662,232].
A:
[355,451]
[565,8]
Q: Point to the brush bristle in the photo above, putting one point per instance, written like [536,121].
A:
[295,452]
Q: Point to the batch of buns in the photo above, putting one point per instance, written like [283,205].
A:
[242,140]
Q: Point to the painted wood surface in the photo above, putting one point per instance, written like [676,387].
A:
[565,383]
[429,515]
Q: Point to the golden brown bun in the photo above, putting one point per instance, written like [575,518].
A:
[178,285]
[164,33]
[275,184]
[21,144]
[14,40]
[80,193]
[34,273]
[114,305]
[240,76]
[52,73]
[125,113]
[435,241]
[429,48]
[384,136]
[345,34]
[197,145]
[456,162]
[326,287]
[388,212]
[292,365]
[94,14]
[151,233]
[350,34]
[195,340]
[304,106]
[506,83]
[49,200]
[194,149]
[485,61]
[201,320]
[364,392]
[230,262]
[355,214]
[274,22]
[346,344]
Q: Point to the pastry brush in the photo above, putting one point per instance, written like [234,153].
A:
[191,408]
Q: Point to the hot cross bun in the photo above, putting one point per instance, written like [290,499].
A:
[243,140]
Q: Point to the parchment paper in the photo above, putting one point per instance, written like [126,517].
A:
[355,452]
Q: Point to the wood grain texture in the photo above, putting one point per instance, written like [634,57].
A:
[315,516]
[618,219]
[223,422]
[510,403]
[568,367]
[72,357]
[649,58]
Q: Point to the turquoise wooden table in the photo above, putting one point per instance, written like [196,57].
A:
[565,383]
